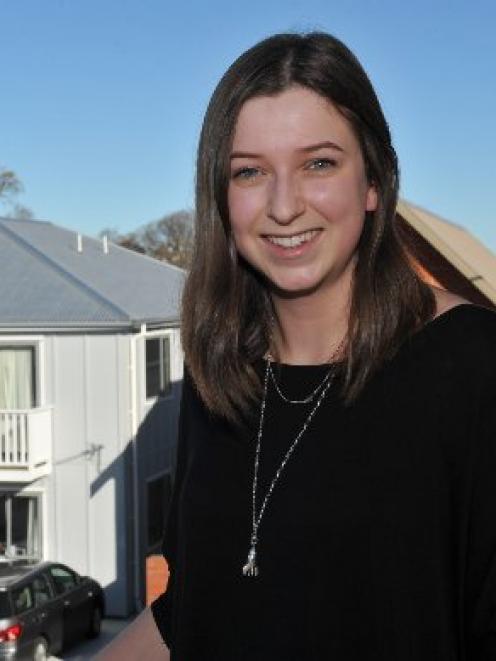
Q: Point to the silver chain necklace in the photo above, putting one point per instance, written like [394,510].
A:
[251,568]
[306,400]
[309,398]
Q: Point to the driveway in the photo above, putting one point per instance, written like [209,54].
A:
[87,649]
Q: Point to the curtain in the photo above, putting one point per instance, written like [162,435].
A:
[16,378]
[20,531]
[3,525]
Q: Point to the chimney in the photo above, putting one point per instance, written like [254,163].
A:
[105,244]
[79,242]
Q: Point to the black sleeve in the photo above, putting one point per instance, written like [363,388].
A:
[481,553]
[162,607]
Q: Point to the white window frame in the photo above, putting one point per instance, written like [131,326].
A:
[40,495]
[151,335]
[38,344]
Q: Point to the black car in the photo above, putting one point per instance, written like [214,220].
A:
[45,606]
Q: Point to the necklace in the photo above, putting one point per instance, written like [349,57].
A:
[309,398]
[251,568]
[305,400]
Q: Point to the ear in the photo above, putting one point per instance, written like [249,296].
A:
[372,198]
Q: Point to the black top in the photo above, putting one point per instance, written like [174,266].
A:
[379,541]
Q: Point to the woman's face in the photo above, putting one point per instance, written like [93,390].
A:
[297,191]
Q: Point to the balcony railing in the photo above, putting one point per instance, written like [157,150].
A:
[26,440]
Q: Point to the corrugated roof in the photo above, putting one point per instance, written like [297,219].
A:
[466,253]
[46,282]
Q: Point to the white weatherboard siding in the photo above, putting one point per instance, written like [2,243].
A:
[157,433]
[91,409]
[108,425]
[69,471]
[90,516]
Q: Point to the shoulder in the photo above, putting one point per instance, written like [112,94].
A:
[459,346]
[463,324]
[466,325]
[447,369]
[445,300]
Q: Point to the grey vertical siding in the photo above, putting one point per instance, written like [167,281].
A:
[91,384]
[157,435]
[69,442]
[88,511]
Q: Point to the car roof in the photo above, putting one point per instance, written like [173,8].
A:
[13,572]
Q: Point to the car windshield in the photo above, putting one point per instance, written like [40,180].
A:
[4,605]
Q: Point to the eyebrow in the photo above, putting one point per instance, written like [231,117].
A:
[327,144]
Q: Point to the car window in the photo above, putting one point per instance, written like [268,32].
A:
[22,599]
[4,605]
[41,591]
[63,579]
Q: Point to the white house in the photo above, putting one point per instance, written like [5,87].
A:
[90,376]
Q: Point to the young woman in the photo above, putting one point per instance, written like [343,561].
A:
[335,495]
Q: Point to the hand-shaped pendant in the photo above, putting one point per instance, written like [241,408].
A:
[251,569]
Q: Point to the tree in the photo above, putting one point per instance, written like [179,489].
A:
[129,241]
[10,187]
[9,184]
[169,239]
[20,212]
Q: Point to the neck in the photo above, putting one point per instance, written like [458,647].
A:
[309,328]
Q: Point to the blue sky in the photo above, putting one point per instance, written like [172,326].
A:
[102,100]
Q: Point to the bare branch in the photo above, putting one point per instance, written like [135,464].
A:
[169,239]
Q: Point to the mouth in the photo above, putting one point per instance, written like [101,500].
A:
[292,241]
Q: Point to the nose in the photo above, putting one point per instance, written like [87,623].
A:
[285,201]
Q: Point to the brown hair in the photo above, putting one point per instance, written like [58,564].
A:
[227,310]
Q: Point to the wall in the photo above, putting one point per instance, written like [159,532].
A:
[88,384]
[156,439]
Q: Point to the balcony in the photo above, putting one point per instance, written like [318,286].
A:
[25,444]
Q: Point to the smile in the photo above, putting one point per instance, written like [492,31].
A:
[293,241]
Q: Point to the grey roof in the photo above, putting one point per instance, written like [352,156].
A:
[45,282]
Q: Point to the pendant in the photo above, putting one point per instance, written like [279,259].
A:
[251,569]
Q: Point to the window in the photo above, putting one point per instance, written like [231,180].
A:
[22,599]
[5,610]
[157,350]
[63,579]
[20,526]
[41,591]
[159,494]
[17,378]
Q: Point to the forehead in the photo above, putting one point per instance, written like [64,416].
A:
[294,118]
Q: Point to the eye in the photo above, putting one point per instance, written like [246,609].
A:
[321,164]
[245,173]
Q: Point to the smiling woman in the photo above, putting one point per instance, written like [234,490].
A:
[335,494]
[298,193]
[294,141]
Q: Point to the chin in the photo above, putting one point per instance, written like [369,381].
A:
[294,289]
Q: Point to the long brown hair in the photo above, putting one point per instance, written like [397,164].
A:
[227,311]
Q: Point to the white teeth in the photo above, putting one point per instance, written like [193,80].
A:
[292,241]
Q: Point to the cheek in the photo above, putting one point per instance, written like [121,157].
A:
[343,205]
[244,208]
[337,201]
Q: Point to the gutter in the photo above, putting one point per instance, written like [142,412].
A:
[88,327]
[133,374]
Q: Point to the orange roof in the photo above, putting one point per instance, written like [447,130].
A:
[466,253]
